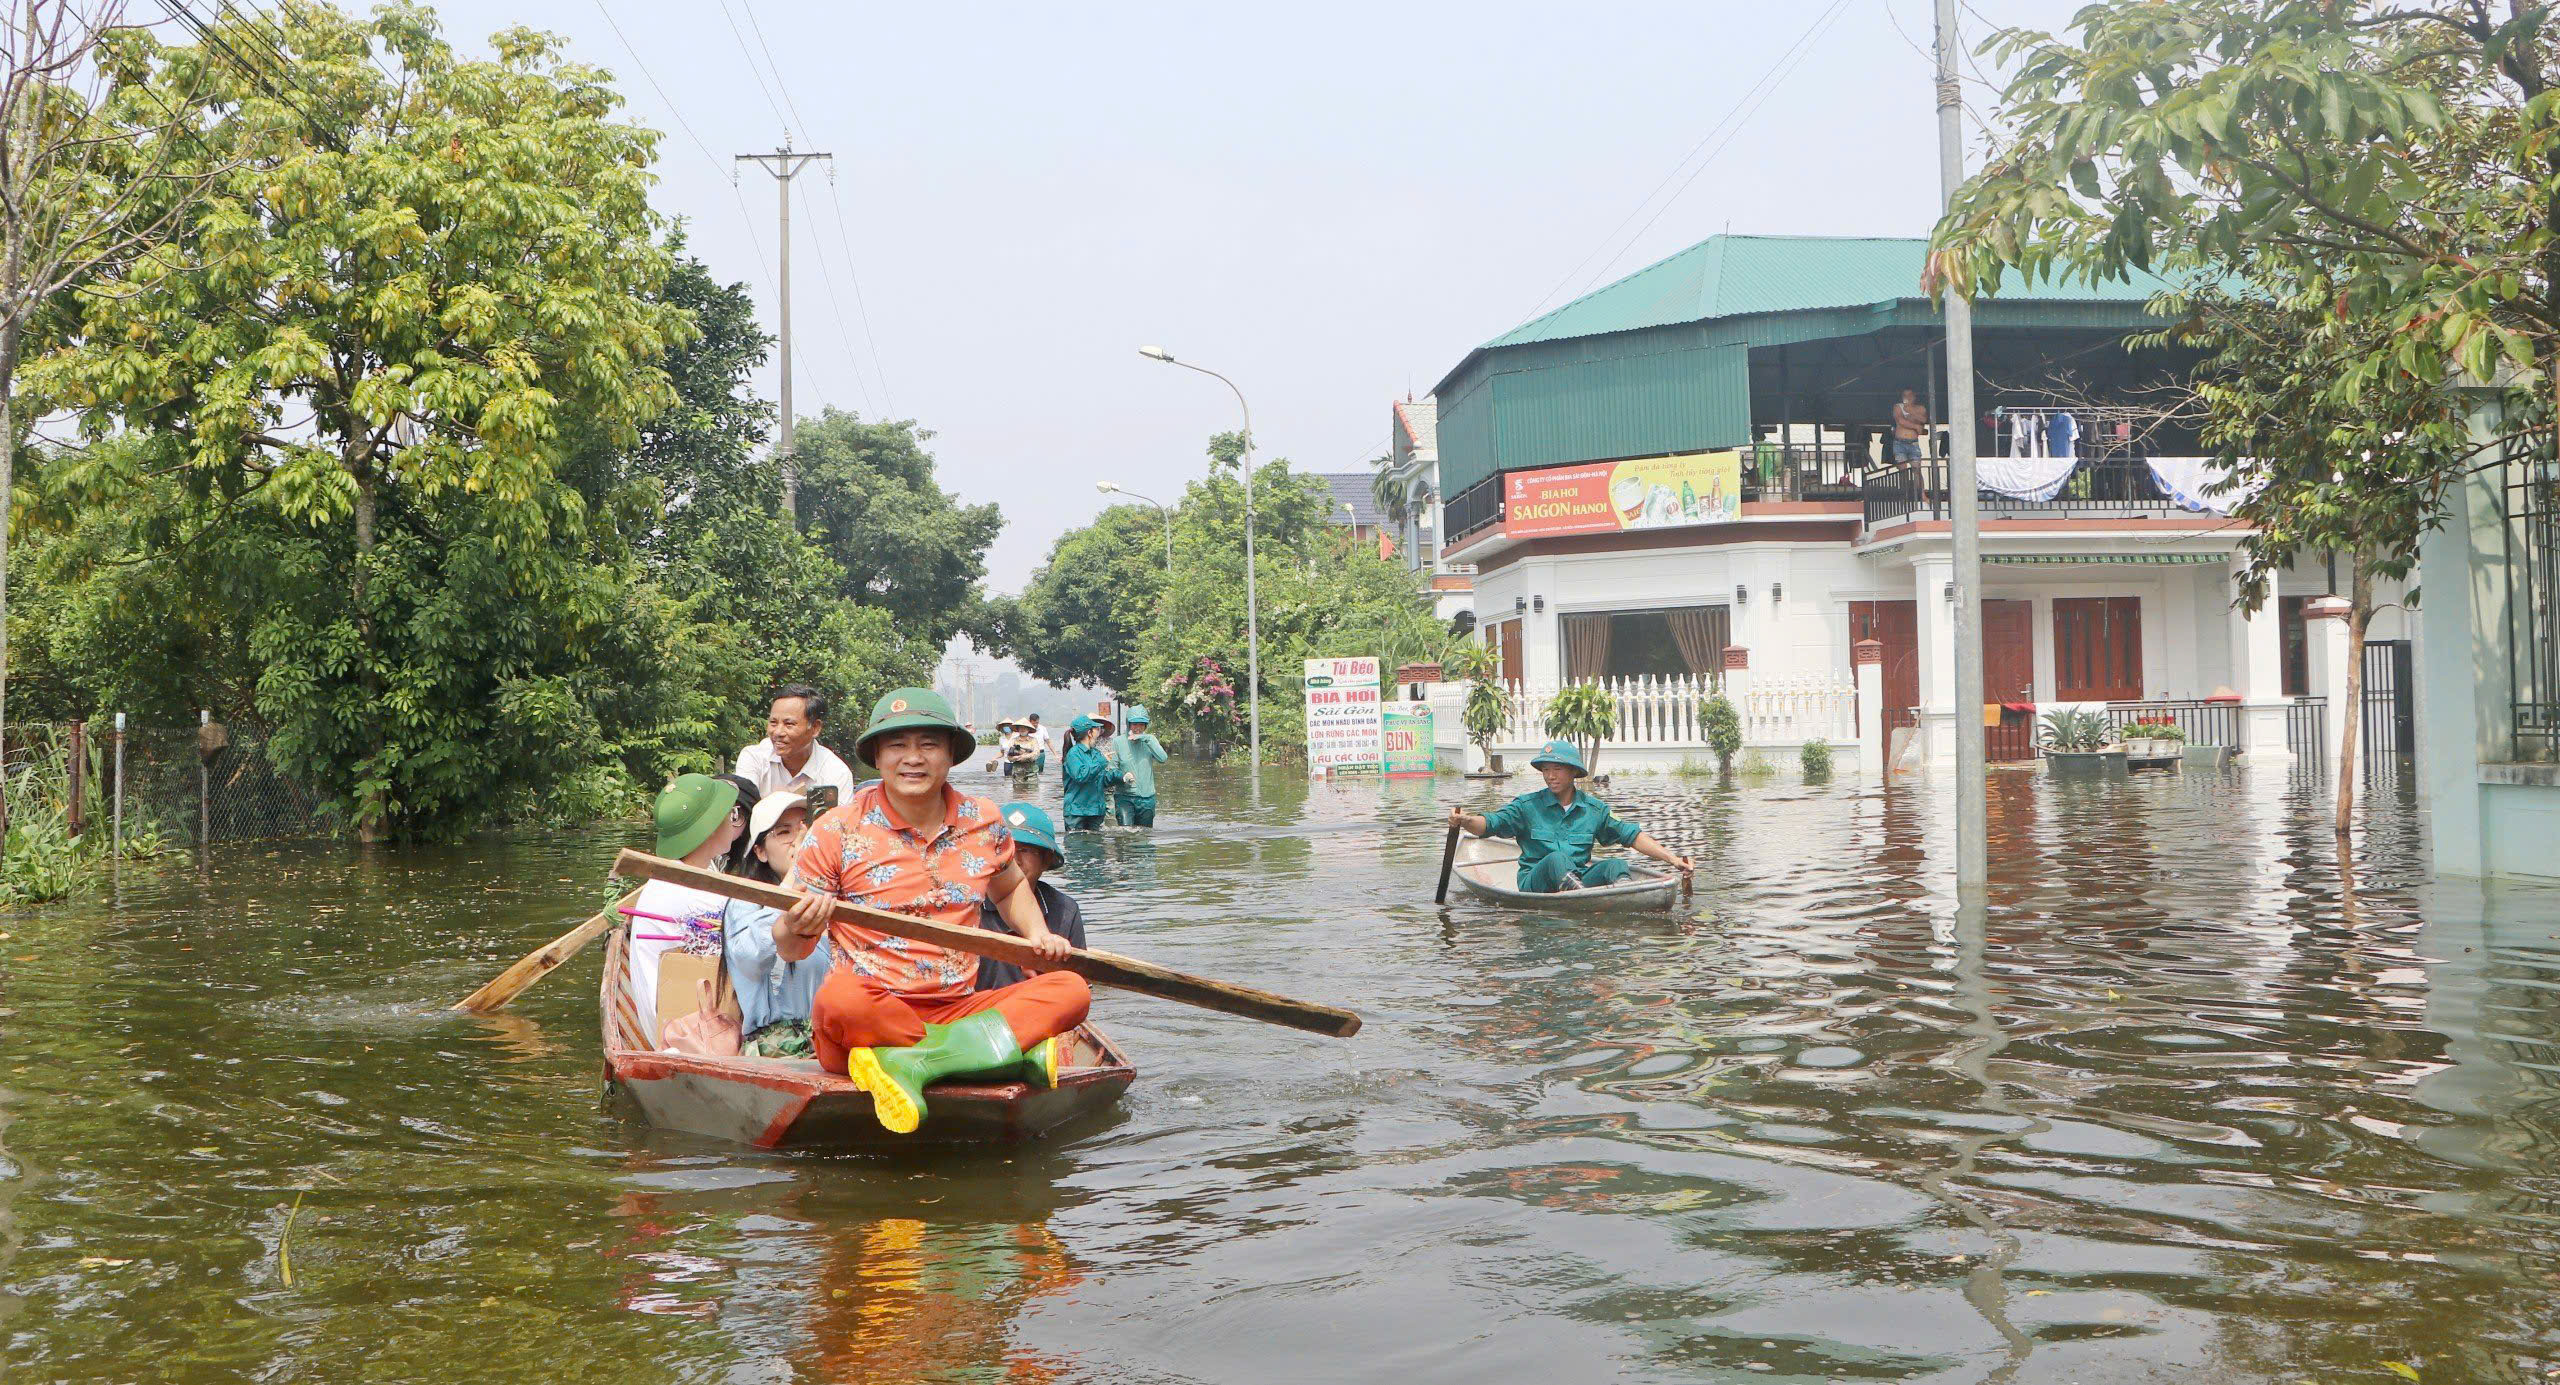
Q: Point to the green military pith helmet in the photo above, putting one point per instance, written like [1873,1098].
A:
[901,708]
[689,809]
[1563,753]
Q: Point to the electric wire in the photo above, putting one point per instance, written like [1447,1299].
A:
[836,304]
[744,52]
[1722,122]
[853,271]
[664,99]
[779,84]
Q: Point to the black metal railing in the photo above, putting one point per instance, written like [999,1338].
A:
[2111,486]
[1771,471]
[2206,723]
[2306,728]
[2530,499]
[1473,510]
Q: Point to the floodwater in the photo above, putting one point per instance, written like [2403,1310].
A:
[2176,1106]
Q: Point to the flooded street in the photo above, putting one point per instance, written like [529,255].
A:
[2177,1106]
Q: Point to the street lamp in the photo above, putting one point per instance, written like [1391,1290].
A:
[1252,604]
[1112,488]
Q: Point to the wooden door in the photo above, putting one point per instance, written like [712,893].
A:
[1896,626]
[1506,643]
[2097,648]
[2008,651]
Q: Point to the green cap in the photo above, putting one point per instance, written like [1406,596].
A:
[1030,825]
[690,809]
[1137,716]
[901,708]
[1561,753]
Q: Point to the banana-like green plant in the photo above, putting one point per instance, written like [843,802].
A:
[1586,715]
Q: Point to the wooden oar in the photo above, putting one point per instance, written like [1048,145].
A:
[543,960]
[1100,968]
[1448,857]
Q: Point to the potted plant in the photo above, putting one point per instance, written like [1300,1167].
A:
[1724,728]
[1488,706]
[2076,743]
[1586,715]
[2154,740]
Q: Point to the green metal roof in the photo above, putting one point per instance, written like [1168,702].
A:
[1733,276]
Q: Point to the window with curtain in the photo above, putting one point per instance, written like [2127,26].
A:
[1678,642]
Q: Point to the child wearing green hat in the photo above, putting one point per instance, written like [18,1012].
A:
[1557,827]
[697,818]
[1035,842]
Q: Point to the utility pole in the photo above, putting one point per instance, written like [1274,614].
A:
[784,165]
[1964,506]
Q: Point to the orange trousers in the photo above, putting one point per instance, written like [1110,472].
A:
[855,1011]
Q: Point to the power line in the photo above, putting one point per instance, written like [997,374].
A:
[177,11]
[853,271]
[836,306]
[781,85]
[751,67]
[1769,75]
[667,101]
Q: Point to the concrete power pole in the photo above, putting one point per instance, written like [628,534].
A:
[785,165]
[1963,501]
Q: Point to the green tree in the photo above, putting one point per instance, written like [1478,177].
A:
[870,500]
[2359,198]
[1086,611]
[1585,714]
[400,305]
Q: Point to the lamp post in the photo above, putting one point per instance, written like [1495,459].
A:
[1111,488]
[1252,604]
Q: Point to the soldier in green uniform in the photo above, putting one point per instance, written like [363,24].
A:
[1559,825]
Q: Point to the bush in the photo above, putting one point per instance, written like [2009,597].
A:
[39,859]
[1756,766]
[1586,715]
[1816,758]
[1724,728]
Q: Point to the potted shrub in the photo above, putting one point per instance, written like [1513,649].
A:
[1488,706]
[1724,728]
[1586,715]
[2154,740]
[2076,743]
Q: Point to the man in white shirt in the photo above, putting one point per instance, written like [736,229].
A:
[789,757]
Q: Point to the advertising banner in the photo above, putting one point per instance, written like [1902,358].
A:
[1606,497]
[1407,739]
[1343,729]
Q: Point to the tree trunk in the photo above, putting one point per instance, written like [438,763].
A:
[2359,608]
[8,493]
[369,814]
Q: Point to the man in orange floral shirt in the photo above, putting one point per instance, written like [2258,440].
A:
[895,1014]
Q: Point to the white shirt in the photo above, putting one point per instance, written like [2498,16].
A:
[759,765]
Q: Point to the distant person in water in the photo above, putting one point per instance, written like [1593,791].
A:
[1557,827]
[1087,776]
[896,1014]
[1133,769]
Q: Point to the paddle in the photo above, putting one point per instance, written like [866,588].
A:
[543,960]
[1448,856]
[1101,968]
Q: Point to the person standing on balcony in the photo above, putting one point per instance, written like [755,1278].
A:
[1910,425]
[1558,826]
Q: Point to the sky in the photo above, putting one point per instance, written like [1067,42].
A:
[1328,203]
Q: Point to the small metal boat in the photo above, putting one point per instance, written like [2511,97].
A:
[1487,866]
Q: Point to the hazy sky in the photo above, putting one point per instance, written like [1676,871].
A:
[1330,203]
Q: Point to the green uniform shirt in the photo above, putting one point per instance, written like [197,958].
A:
[1542,825]
[1137,756]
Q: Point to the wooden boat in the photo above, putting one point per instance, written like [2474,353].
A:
[793,1104]
[1488,865]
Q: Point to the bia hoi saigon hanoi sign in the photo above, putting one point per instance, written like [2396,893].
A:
[1342,715]
[1604,497]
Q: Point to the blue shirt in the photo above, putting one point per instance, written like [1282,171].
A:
[1542,825]
[1138,757]
[768,987]
[1088,774]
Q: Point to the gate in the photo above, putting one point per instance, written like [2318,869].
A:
[2390,710]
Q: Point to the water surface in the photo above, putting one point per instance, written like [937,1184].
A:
[2176,1105]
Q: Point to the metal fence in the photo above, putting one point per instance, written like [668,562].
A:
[198,784]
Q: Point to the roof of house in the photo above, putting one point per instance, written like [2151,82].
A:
[1732,276]
[1352,488]
[1420,420]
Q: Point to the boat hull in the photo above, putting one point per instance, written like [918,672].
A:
[793,1104]
[1486,866]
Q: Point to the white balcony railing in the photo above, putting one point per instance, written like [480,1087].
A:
[1664,712]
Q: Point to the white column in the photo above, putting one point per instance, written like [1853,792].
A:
[2257,670]
[1867,657]
[2324,628]
[1940,719]
[1737,685]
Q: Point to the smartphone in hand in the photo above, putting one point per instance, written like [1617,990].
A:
[822,798]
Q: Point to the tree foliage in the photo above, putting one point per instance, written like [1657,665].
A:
[1086,611]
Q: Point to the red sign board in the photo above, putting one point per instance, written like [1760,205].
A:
[1605,497]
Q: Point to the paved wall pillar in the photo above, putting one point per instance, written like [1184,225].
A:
[1939,718]
[2257,674]
[2324,627]
[1737,684]
[1866,658]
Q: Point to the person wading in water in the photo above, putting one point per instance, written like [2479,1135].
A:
[895,1014]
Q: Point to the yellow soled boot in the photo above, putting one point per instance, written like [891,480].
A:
[896,1077]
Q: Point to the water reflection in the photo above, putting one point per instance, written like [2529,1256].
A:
[2173,1102]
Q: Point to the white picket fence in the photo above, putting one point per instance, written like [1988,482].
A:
[1664,712]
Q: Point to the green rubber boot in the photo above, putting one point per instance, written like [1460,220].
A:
[896,1077]
[1038,1065]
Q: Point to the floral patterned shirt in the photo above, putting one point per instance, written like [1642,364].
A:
[863,852]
